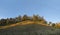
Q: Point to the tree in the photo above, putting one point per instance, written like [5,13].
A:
[7,21]
[50,23]
[35,17]
[3,22]
[18,19]
[25,17]
[45,22]
[41,18]
[53,25]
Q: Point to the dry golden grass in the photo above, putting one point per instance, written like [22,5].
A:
[57,25]
[23,23]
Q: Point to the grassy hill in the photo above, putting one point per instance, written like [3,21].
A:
[28,28]
[23,23]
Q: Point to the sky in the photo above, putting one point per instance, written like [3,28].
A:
[50,9]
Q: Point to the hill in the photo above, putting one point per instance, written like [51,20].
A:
[23,23]
[29,29]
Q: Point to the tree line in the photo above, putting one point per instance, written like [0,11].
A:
[20,18]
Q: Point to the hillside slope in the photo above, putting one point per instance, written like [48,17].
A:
[23,23]
[30,29]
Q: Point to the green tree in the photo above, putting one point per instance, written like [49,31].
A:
[35,17]
[25,17]
[53,24]
[3,22]
[18,19]
[50,23]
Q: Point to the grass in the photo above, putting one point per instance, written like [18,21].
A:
[28,28]
[22,23]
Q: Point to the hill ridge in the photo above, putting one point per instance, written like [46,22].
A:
[22,23]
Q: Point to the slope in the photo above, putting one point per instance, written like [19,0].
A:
[30,29]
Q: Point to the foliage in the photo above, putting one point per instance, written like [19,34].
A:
[53,25]
[9,21]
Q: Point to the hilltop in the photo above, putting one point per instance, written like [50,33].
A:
[26,25]
[29,29]
[23,23]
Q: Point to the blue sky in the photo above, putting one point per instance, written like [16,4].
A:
[50,9]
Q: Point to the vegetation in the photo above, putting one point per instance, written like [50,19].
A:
[28,25]
[30,29]
[9,21]
[34,18]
